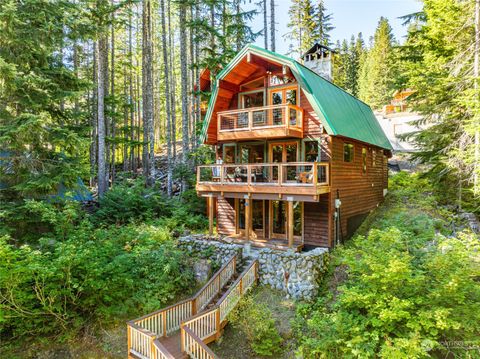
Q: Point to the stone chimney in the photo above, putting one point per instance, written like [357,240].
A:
[319,59]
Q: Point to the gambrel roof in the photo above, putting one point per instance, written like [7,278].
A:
[340,113]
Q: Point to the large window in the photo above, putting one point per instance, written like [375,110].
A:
[229,154]
[348,151]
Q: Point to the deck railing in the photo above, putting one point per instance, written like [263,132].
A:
[308,174]
[274,116]
[194,346]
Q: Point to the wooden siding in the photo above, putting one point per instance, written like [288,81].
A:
[359,192]
[315,222]
[226,215]
[312,126]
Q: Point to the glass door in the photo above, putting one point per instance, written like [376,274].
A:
[283,153]
[279,217]
[257,217]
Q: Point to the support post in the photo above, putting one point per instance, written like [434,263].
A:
[248,219]
[210,215]
[290,223]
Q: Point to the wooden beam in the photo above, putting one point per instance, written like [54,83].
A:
[226,85]
[248,218]
[210,215]
[290,223]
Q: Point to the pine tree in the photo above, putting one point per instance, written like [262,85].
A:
[323,24]
[377,74]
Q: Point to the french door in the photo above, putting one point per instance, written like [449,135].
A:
[279,215]
[283,152]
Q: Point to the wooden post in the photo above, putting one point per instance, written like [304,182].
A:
[129,340]
[182,339]
[194,306]
[152,348]
[210,215]
[164,322]
[247,218]
[217,319]
[290,223]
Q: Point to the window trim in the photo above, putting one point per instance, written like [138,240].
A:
[364,160]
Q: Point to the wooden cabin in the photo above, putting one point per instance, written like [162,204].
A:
[300,162]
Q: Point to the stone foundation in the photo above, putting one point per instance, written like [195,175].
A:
[296,274]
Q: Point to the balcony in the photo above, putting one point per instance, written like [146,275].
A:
[291,178]
[275,121]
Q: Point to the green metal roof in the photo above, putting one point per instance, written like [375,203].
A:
[341,113]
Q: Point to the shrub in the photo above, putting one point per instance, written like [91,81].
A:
[129,202]
[255,320]
[94,276]
[403,297]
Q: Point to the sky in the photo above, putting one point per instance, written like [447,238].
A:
[349,17]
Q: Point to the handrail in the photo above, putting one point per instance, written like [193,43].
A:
[209,323]
[200,306]
[167,320]
[161,351]
[201,350]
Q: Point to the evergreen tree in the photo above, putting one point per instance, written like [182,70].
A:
[439,60]
[302,27]
[377,73]
[41,142]
[323,24]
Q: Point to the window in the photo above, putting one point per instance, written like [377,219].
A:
[364,160]
[348,150]
[280,79]
[311,151]
[253,99]
[374,157]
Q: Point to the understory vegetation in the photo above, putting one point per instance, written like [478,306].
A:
[64,270]
[406,286]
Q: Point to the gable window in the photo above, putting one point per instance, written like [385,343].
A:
[364,160]
[348,150]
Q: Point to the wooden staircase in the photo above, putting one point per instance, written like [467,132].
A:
[184,329]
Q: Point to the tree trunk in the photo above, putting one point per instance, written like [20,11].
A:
[184,79]
[272,25]
[94,119]
[147,95]
[173,122]
[101,76]
[112,92]
[167,99]
[265,26]
[476,65]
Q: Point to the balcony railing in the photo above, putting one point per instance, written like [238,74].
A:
[296,174]
[267,121]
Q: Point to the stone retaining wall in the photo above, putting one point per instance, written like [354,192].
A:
[204,246]
[296,274]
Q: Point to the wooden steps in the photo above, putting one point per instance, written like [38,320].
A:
[183,329]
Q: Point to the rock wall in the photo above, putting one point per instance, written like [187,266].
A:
[296,274]
[207,247]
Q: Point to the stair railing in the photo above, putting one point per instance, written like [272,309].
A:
[142,332]
[207,326]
